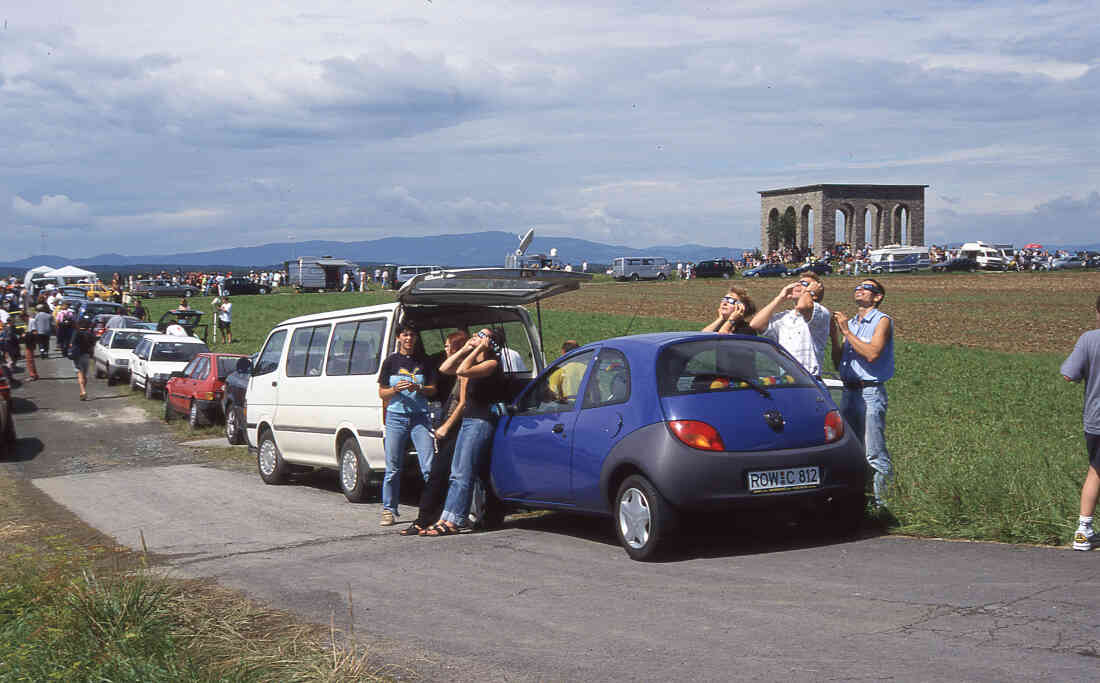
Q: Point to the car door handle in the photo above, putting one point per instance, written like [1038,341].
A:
[558,428]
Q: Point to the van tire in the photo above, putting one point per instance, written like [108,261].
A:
[353,480]
[269,461]
[634,277]
[660,277]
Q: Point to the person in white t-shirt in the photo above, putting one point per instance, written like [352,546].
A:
[803,330]
[225,320]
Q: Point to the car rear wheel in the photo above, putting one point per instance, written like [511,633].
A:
[194,419]
[644,520]
[269,460]
[233,432]
[353,480]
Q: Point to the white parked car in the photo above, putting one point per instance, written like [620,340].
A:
[157,356]
[112,353]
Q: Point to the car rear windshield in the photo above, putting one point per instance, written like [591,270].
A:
[126,340]
[226,366]
[177,351]
[711,365]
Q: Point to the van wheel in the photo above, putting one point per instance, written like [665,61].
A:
[269,460]
[634,277]
[352,479]
[660,277]
[643,518]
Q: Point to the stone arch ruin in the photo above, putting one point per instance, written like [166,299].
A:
[892,208]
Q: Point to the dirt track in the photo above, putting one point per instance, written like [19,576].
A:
[1015,312]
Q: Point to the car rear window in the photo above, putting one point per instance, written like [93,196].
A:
[715,365]
[177,351]
[126,340]
[226,366]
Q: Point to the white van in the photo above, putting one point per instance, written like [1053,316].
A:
[895,258]
[987,255]
[312,396]
[406,273]
[640,268]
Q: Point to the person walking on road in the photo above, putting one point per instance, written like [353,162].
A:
[65,321]
[42,323]
[1084,363]
[83,345]
[863,352]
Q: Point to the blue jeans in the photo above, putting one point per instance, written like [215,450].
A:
[865,411]
[399,427]
[472,444]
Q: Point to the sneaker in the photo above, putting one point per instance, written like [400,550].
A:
[1083,539]
[387,518]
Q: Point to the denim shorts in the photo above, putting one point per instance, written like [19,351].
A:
[81,363]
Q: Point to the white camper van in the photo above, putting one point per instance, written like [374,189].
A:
[312,397]
[895,258]
[988,256]
[640,268]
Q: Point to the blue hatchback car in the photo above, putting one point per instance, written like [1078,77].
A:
[766,270]
[641,428]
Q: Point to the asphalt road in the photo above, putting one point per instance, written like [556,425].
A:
[554,597]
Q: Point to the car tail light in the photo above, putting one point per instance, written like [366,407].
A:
[834,426]
[697,434]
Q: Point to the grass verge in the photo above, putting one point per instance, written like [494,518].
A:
[73,607]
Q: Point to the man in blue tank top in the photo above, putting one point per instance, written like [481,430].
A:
[863,352]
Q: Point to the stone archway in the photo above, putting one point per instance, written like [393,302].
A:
[903,222]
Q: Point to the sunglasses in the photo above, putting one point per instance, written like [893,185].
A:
[870,288]
[804,283]
[730,300]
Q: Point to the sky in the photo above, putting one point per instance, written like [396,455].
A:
[147,127]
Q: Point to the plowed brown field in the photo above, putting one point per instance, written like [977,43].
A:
[1015,312]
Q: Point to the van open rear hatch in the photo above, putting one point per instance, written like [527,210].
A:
[488,286]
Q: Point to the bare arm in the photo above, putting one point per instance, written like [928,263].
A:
[475,369]
[870,350]
[760,321]
[455,415]
[450,365]
[838,341]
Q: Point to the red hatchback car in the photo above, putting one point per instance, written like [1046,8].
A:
[197,391]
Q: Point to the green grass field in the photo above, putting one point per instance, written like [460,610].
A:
[986,445]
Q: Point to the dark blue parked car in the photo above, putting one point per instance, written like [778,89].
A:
[641,428]
[819,267]
[766,270]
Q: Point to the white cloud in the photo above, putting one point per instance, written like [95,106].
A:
[56,211]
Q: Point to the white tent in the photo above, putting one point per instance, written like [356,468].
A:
[69,272]
[33,273]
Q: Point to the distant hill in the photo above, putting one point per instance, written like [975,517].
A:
[465,250]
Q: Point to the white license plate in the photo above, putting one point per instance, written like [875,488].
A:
[789,479]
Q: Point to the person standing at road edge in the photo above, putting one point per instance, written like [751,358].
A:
[863,352]
[1084,363]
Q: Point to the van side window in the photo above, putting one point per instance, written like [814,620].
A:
[307,351]
[269,358]
[355,348]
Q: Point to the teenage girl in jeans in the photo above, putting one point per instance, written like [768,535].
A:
[478,361]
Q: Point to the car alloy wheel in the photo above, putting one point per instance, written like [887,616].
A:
[193,416]
[232,426]
[634,518]
[644,520]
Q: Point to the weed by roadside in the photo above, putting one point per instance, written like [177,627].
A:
[73,607]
